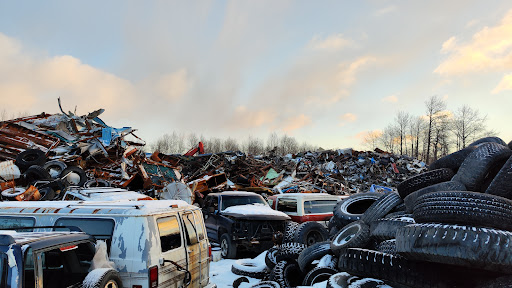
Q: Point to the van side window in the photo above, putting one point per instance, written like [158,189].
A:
[170,235]
[16,222]
[199,225]
[101,229]
[190,227]
[287,205]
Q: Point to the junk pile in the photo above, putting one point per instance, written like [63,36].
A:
[450,226]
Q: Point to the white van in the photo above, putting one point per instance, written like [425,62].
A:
[152,243]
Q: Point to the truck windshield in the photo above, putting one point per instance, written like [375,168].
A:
[228,201]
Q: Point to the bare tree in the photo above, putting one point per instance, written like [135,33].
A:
[468,125]
[371,139]
[231,144]
[273,141]
[192,140]
[415,129]
[288,145]
[254,146]
[434,105]
[402,120]
[389,138]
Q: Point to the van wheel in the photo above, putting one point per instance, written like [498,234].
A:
[227,247]
[102,278]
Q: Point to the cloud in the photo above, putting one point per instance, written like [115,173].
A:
[390,99]
[347,118]
[505,84]
[172,86]
[296,122]
[331,43]
[245,118]
[489,50]
[385,10]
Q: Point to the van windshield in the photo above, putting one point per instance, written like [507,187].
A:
[234,200]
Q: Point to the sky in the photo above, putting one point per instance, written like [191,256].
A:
[324,72]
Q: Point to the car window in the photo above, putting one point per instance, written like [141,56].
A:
[28,269]
[319,206]
[287,205]
[170,235]
[232,200]
[101,229]
[73,260]
[15,222]
[199,225]
[190,228]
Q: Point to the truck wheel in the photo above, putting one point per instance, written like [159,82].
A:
[102,278]
[227,247]
[355,234]
[270,257]
[309,233]
[289,231]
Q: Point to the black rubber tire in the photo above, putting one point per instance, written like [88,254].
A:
[500,282]
[332,223]
[394,269]
[381,207]
[501,184]
[317,275]
[108,276]
[249,268]
[492,139]
[339,280]
[97,183]
[266,284]
[238,281]
[290,228]
[385,228]
[476,166]
[287,274]
[270,257]
[11,193]
[388,246]
[74,170]
[452,161]
[312,232]
[289,251]
[47,194]
[29,158]
[228,249]
[397,214]
[352,208]
[510,145]
[444,186]
[35,173]
[312,253]
[55,166]
[368,283]
[355,234]
[466,208]
[457,245]
[423,180]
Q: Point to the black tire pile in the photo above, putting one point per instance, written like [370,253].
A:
[448,227]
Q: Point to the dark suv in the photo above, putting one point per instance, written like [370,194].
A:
[241,220]
[51,259]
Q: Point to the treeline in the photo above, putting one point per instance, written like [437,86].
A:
[180,143]
[432,135]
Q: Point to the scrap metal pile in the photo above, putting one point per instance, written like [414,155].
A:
[450,226]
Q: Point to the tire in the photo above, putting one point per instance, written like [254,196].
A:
[457,245]
[388,246]
[367,283]
[381,207]
[47,194]
[270,257]
[35,173]
[510,145]
[317,275]
[355,234]
[352,208]
[266,284]
[249,268]
[287,274]
[97,183]
[74,176]
[238,281]
[312,232]
[385,229]
[452,161]
[289,251]
[395,269]
[312,253]
[339,280]
[29,158]
[423,180]
[109,279]
[332,223]
[11,193]
[227,247]
[475,167]
[55,168]
[488,139]
[289,231]
[465,208]
[500,282]
[500,185]
[444,186]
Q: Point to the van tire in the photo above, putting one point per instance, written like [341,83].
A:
[109,279]
[312,232]
[227,247]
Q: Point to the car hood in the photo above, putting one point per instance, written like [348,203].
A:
[254,211]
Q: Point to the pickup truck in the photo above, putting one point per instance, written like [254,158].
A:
[304,207]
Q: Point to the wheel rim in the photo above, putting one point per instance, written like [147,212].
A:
[313,237]
[224,247]
[111,284]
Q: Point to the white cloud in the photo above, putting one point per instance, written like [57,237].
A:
[385,10]
[331,43]
[505,84]
[390,99]
[347,118]
[244,117]
[296,122]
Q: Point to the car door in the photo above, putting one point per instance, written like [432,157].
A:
[210,218]
[197,247]
[173,248]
